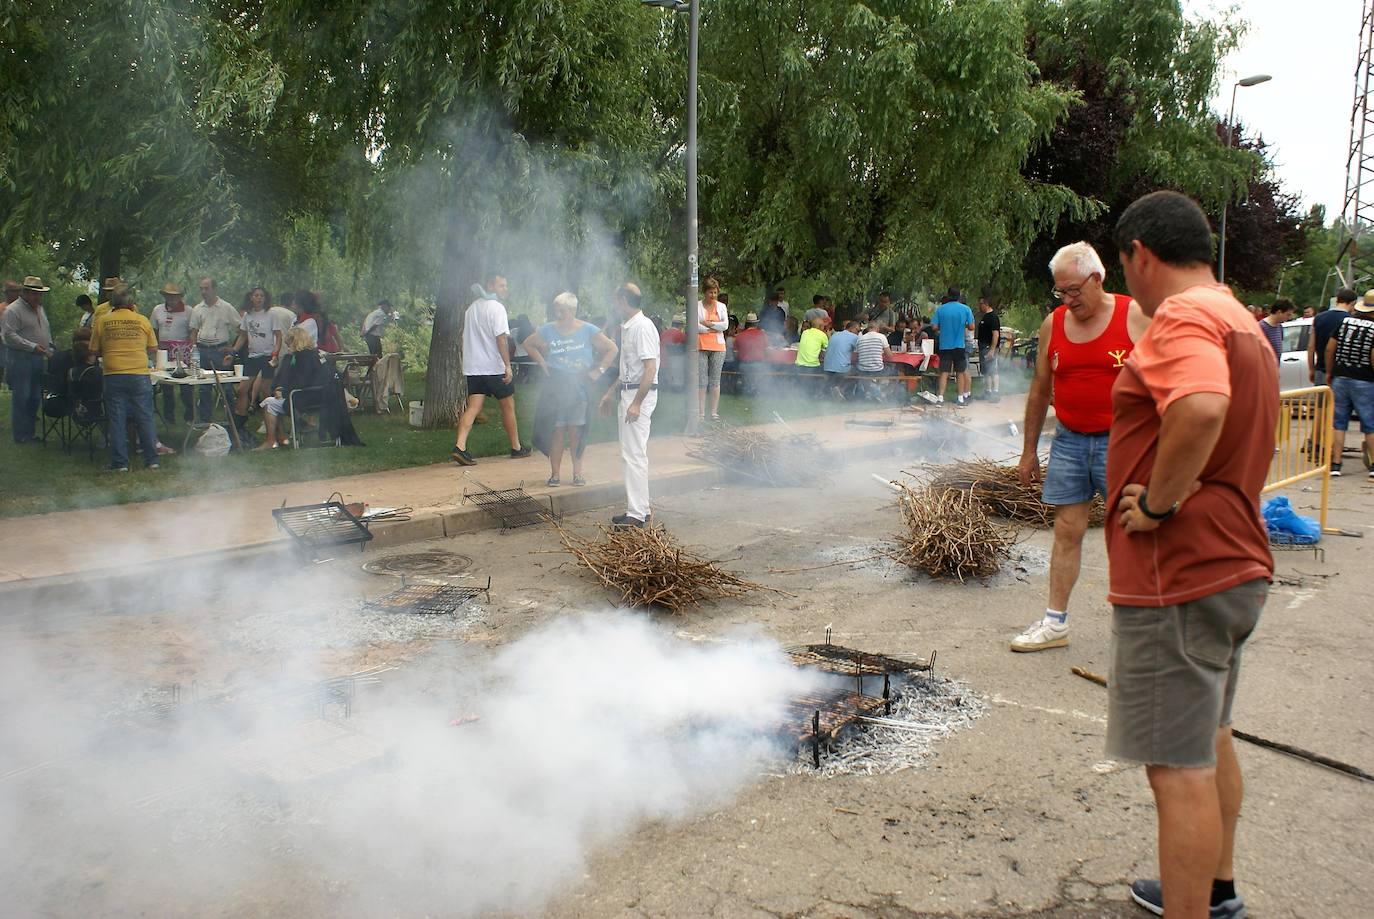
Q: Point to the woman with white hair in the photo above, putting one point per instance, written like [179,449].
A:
[300,369]
[572,354]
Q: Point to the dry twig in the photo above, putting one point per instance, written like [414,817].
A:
[647,567]
[948,534]
[785,461]
[998,488]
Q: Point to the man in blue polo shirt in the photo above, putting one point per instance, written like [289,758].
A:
[952,322]
[839,355]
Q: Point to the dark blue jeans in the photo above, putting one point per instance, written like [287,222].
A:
[169,406]
[212,356]
[130,395]
[24,371]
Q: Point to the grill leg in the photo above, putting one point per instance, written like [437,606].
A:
[887,694]
[816,739]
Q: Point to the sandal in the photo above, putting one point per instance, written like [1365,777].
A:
[553,480]
[715,417]
[578,479]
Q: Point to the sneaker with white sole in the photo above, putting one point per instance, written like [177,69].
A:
[1042,635]
[1149,895]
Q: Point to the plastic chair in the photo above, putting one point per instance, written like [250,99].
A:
[302,401]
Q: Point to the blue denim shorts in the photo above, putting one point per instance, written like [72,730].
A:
[1357,395]
[1077,469]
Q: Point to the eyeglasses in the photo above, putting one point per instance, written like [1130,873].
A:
[1066,292]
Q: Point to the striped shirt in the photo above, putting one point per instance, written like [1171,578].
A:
[870,351]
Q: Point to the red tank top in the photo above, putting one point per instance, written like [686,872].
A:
[1085,371]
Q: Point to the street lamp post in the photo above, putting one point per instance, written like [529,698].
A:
[1282,274]
[691,345]
[1230,128]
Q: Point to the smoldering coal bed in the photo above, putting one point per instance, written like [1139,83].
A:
[431,563]
[879,713]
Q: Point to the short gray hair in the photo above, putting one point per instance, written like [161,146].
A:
[815,313]
[1080,256]
[567,299]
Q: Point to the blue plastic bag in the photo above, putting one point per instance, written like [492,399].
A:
[1287,526]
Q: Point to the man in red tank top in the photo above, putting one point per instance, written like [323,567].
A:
[1083,346]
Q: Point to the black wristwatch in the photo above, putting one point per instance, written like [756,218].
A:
[1145,508]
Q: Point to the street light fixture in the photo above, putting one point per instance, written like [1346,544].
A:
[1283,273]
[692,344]
[1254,80]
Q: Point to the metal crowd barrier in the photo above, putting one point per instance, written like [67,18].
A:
[1303,442]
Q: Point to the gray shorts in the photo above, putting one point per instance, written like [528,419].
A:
[1174,673]
[710,363]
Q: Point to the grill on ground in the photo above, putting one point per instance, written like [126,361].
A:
[430,563]
[512,507]
[819,718]
[427,599]
[839,659]
[317,527]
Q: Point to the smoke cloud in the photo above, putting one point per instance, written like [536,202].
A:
[460,785]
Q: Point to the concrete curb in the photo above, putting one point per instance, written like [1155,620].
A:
[140,579]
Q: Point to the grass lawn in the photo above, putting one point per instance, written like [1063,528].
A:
[35,479]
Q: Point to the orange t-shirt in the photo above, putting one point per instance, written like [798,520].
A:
[1201,340]
[712,340]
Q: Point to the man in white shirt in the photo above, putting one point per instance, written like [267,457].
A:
[214,326]
[171,322]
[637,387]
[486,364]
[374,325]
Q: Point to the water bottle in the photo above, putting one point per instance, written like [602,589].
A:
[195,362]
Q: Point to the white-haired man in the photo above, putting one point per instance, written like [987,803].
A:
[1083,345]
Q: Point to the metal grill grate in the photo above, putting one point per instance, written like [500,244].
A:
[316,527]
[427,599]
[512,507]
[839,659]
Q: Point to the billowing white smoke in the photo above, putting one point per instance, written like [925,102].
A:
[586,729]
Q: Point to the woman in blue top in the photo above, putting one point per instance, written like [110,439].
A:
[572,354]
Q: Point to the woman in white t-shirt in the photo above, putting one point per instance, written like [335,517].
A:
[261,331]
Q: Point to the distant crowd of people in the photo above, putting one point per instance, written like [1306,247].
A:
[116,343]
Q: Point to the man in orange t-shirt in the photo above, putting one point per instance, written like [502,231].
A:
[1193,416]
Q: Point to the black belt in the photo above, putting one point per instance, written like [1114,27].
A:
[212,344]
[625,387]
[1089,433]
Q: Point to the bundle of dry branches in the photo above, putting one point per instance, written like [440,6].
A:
[948,534]
[998,488]
[648,568]
[785,461]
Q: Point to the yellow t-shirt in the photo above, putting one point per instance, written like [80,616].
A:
[122,339]
[813,342]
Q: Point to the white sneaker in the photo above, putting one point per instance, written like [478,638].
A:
[1042,634]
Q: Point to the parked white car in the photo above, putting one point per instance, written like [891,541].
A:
[1293,364]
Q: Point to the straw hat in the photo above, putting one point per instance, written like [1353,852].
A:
[1367,303]
[680,318]
[35,284]
[170,290]
[751,317]
[111,284]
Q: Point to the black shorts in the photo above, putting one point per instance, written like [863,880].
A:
[256,365]
[494,386]
[953,360]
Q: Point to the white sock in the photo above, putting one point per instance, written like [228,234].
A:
[1060,618]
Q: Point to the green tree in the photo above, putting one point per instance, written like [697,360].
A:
[860,141]
[116,122]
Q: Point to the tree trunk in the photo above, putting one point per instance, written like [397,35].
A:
[445,386]
[110,252]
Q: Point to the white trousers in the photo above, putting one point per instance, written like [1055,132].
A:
[634,452]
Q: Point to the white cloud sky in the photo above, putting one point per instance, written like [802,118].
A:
[1310,48]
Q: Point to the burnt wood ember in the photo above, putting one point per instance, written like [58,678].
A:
[511,507]
[839,659]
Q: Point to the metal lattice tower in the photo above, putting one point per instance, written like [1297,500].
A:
[1357,216]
